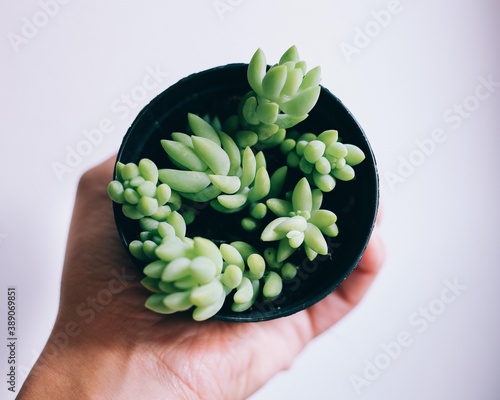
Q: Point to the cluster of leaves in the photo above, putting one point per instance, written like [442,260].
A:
[225,165]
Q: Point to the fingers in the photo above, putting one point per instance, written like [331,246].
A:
[335,306]
[92,225]
[380,214]
[98,175]
[355,286]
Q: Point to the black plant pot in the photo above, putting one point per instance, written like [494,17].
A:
[217,91]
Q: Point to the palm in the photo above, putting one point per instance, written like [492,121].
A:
[245,354]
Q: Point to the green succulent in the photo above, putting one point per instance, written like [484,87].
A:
[200,158]
[323,158]
[186,275]
[300,222]
[213,168]
[224,165]
[287,270]
[281,96]
[137,189]
[155,233]
[195,274]
[254,184]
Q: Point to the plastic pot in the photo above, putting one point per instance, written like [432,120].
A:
[217,92]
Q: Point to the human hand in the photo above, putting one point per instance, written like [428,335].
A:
[106,345]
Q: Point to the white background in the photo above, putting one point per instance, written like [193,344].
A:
[440,217]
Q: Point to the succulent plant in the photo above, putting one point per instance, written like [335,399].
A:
[195,273]
[300,222]
[254,184]
[154,233]
[323,157]
[224,165]
[137,189]
[186,275]
[281,96]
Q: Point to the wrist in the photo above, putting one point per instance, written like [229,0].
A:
[90,370]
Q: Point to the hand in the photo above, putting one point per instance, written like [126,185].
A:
[106,345]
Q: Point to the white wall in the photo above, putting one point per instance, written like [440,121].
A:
[404,84]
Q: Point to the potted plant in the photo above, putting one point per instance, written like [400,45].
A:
[245,192]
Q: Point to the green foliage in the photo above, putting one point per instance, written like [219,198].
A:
[224,164]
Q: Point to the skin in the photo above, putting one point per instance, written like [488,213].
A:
[105,344]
